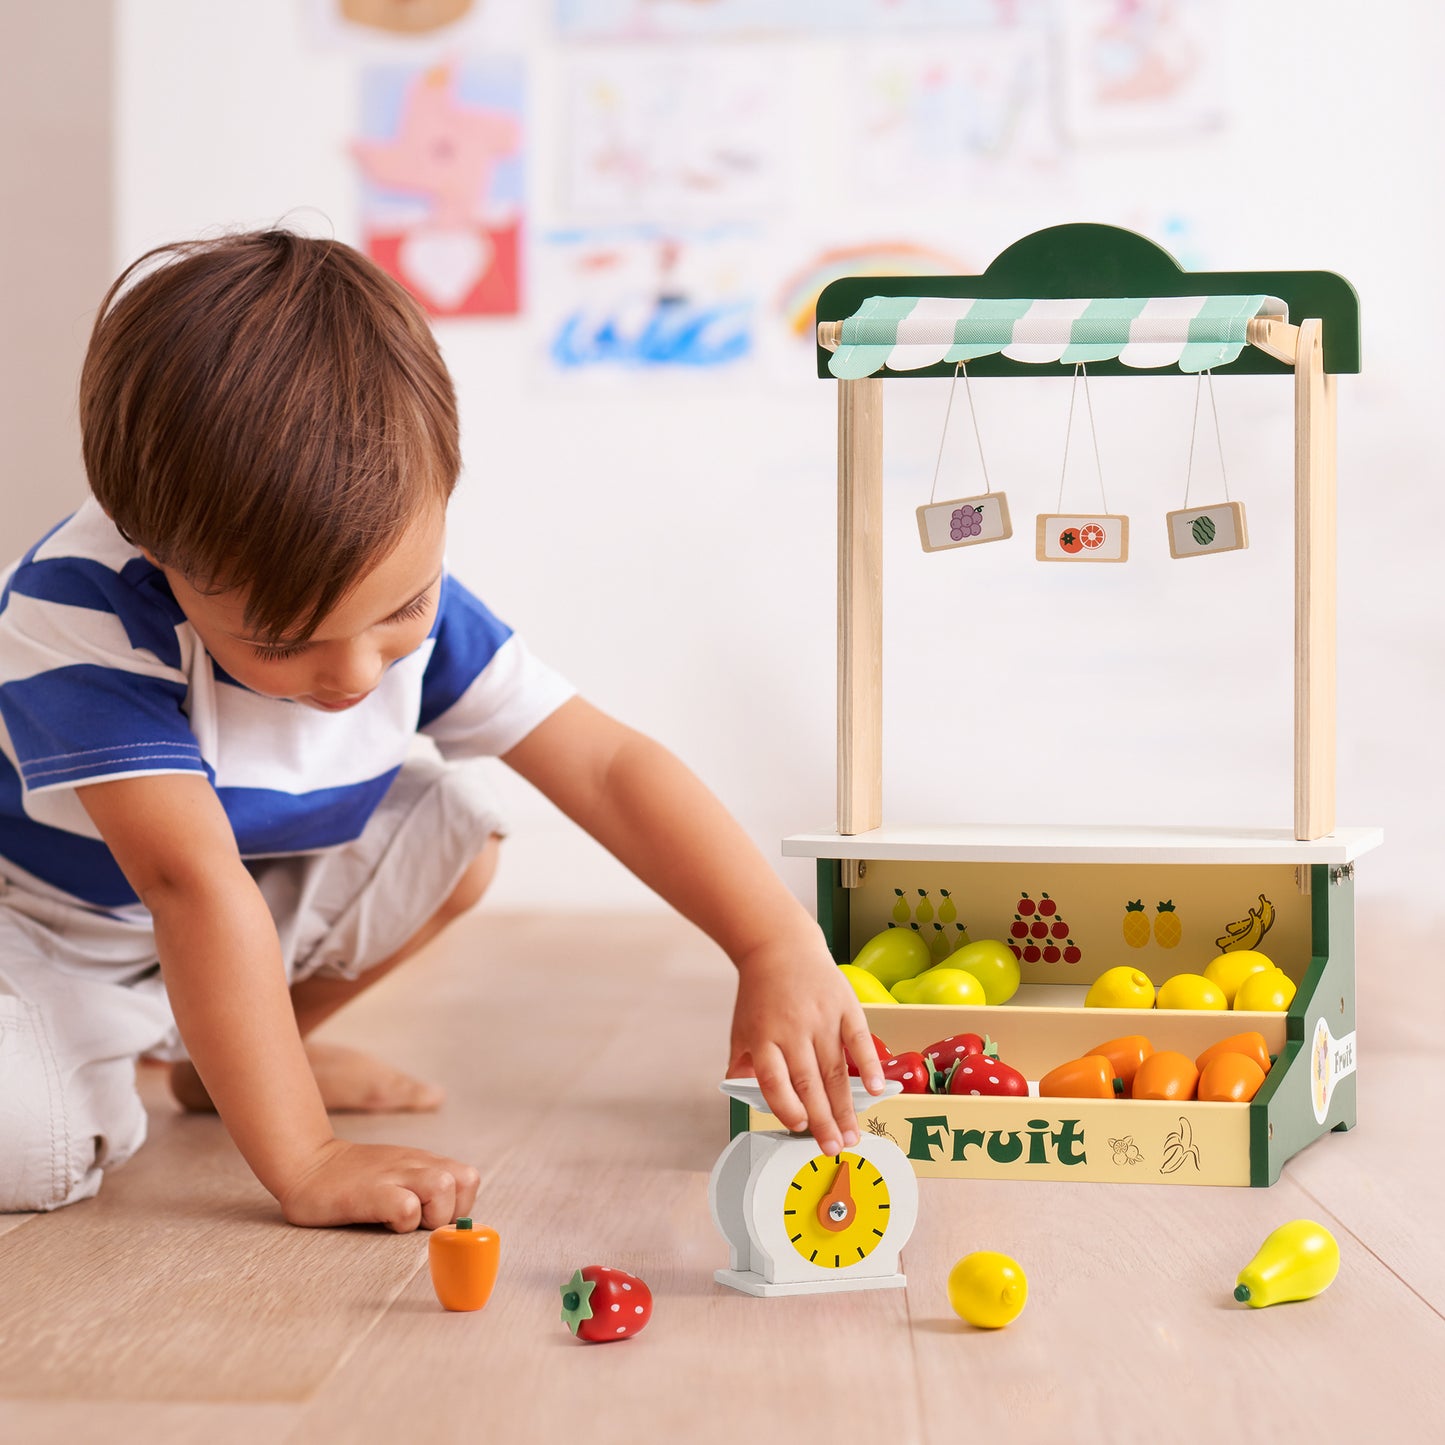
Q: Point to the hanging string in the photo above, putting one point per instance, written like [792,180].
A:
[1218,438]
[977,436]
[1080,368]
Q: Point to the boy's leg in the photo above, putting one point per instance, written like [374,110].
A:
[351,917]
[69,1110]
[316,998]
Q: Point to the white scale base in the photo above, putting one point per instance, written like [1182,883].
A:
[755,1284]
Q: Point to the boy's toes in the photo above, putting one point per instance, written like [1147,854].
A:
[353,1082]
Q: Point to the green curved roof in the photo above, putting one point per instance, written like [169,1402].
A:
[1088,260]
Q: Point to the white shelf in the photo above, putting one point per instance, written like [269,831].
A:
[1042,843]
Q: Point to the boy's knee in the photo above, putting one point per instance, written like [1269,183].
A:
[473,883]
[59,1128]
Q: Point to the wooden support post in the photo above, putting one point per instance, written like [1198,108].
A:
[1314,596]
[860,605]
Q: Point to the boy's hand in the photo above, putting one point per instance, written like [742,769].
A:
[380,1184]
[793,1018]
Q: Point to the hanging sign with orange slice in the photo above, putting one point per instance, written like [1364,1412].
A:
[1082,537]
[1075,537]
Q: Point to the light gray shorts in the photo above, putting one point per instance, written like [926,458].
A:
[81,996]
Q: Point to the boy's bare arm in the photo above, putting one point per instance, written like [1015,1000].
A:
[795,1012]
[221,962]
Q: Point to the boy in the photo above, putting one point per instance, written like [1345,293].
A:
[215,827]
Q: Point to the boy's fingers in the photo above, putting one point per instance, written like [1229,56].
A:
[469,1181]
[838,1087]
[811,1088]
[437,1190]
[771,1071]
[859,1042]
[398,1208]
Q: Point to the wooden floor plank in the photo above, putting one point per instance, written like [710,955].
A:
[1386,1178]
[1131,1332]
[118,1422]
[180,1281]
[617,1174]
[581,1058]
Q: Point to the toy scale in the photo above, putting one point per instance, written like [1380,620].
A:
[802,1222]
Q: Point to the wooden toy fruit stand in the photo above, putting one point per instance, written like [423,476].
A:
[1077,900]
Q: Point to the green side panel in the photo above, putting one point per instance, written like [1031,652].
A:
[1100,261]
[1282,1118]
[833,916]
[738,1113]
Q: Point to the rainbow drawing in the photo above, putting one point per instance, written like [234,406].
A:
[797,298]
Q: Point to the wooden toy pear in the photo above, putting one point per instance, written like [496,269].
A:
[1298,1261]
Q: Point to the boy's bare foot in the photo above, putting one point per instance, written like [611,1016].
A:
[350,1081]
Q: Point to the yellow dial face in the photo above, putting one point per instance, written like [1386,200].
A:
[836,1210]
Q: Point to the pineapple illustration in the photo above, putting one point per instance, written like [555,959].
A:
[1136,924]
[1167,928]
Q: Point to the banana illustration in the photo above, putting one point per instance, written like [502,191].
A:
[1178,1147]
[1247,932]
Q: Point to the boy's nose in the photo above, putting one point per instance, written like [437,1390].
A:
[356,671]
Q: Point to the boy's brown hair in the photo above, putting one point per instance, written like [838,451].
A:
[266,411]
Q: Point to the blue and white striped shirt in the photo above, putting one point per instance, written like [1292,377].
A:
[102,676]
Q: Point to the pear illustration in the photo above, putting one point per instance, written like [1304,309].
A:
[938,944]
[924,912]
[946,910]
[1298,1261]
[900,908]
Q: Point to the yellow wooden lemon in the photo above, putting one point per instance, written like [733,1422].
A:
[987,1289]
[1271,990]
[1190,991]
[1230,970]
[1121,987]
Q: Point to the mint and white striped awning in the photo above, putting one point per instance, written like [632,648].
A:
[906,333]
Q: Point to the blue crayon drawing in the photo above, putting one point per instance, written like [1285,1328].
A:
[675,332]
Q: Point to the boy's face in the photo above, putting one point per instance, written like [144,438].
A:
[385,616]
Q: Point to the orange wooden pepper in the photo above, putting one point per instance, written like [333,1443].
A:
[1166,1075]
[1230,1079]
[1251,1045]
[1091,1077]
[464,1260]
[1125,1054]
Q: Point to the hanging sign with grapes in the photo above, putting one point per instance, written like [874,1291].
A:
[964,522]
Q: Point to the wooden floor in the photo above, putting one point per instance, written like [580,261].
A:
[582,1057]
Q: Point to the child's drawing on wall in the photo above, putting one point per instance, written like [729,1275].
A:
[441,158]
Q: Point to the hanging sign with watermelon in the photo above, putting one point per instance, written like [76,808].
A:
[1196,531]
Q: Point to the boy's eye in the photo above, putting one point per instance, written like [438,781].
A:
[412,609]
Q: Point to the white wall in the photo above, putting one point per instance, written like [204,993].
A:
[56,247]
[689,586]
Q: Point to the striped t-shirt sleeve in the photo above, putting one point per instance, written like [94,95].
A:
[93,684]
[484,690]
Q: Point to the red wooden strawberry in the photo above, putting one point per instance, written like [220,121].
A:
[601,1304]
[911,1070]
[879,1045]
[956,1046]
[983,1075]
